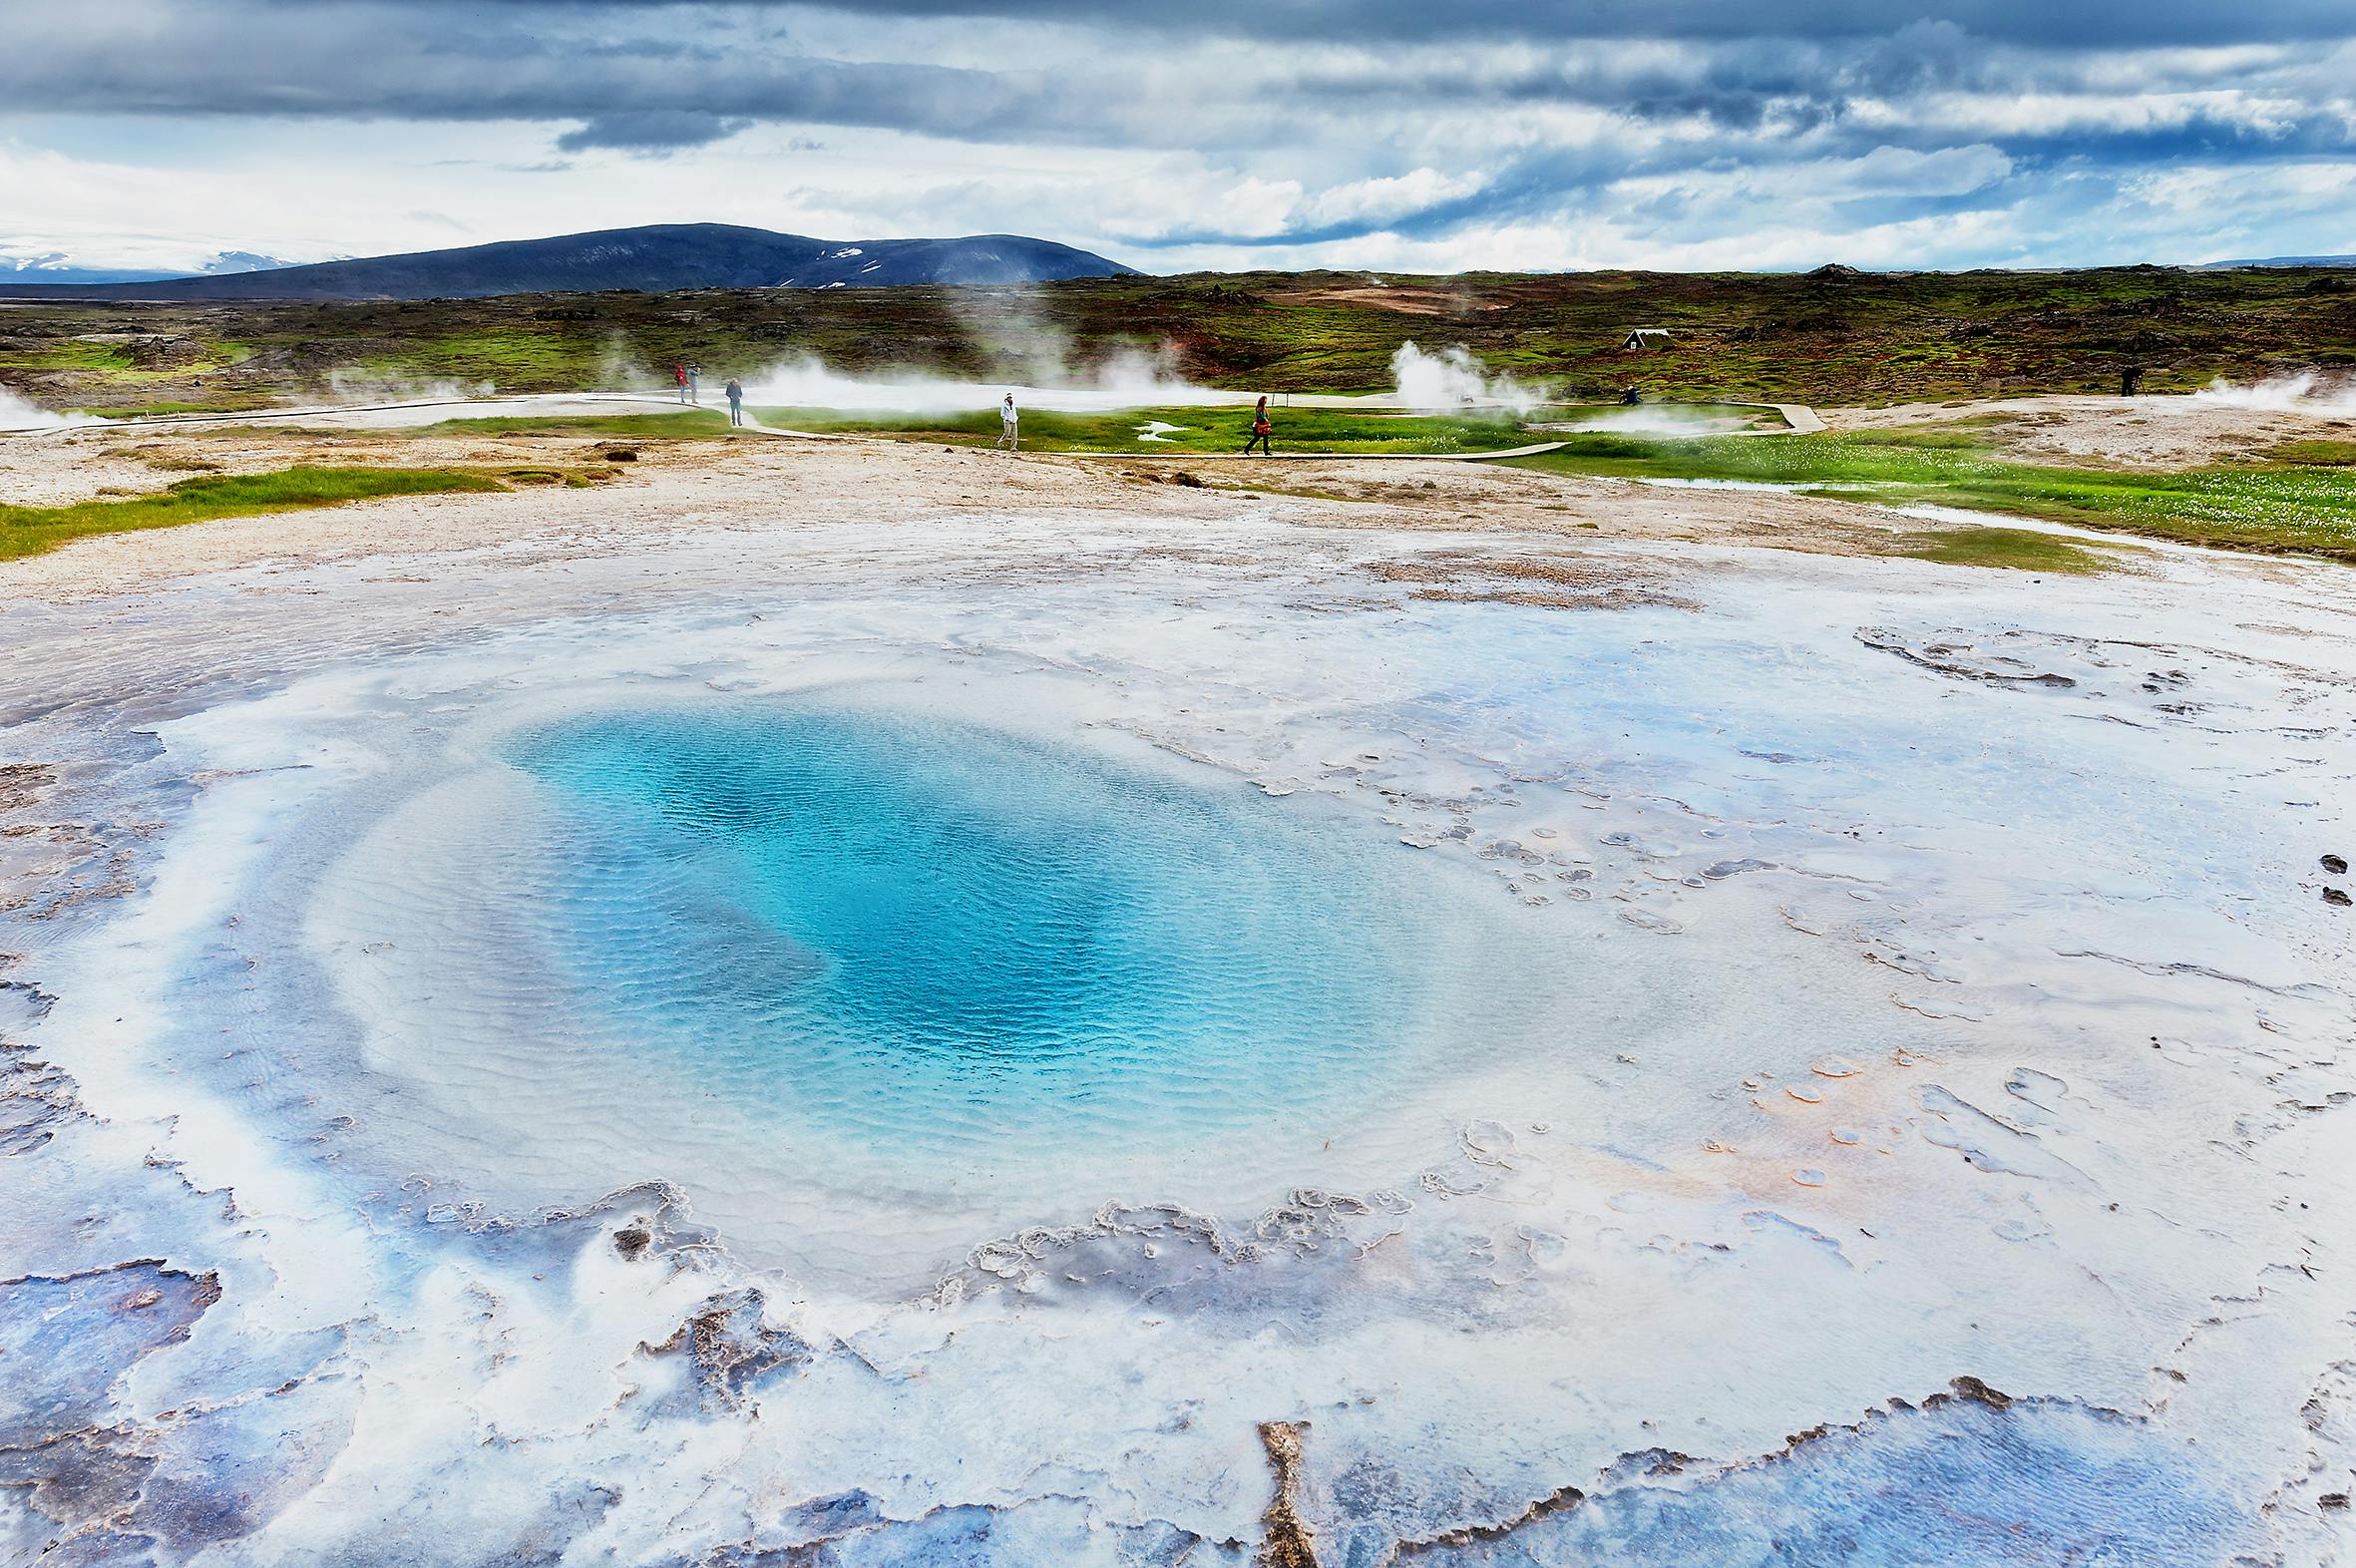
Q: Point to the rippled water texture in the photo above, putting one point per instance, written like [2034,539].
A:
[945,938]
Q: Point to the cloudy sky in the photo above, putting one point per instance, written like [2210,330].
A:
[1428,135]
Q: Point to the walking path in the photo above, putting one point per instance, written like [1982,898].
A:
[758,428]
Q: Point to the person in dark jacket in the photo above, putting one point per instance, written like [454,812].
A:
[735,391]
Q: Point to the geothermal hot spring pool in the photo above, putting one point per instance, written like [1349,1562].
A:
[852,944]
[957,948]
[982,1042]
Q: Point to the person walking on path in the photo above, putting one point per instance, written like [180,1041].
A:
[1008,436]
[735,391]
[1261,430]
[695,385]
[680,371]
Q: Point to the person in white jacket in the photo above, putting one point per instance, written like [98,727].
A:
[1006,434]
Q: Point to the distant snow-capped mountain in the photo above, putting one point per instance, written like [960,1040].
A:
[57,267]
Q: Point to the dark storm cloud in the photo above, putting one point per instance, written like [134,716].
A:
[2100,24]
[650,131]
[432,62]
[615,63]
[1523,112]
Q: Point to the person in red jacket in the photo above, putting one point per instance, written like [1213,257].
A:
[680,371]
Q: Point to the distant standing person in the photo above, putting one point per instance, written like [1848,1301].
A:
[1008,436]
[1261,430]
[735,391]
[680,370]
[694,383]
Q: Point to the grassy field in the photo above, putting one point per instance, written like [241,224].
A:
[1831,337]
[1827,338]
[2301,505]
[28,531]
[2020,548]
[2302,498]
[2272,507]
[2319,454]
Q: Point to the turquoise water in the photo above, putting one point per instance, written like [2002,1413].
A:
[920,929]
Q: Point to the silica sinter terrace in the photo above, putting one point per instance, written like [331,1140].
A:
[889,1046]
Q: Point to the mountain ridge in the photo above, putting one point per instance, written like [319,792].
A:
[55,268]
[2288,261]
[647,258]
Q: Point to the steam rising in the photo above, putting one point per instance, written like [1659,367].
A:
[1010,333]
[1652,419]
[1453,378]
[17,413]
[1129,379]
[2304,393]
[363,387]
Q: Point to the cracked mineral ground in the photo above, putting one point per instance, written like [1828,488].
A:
[1013,1035]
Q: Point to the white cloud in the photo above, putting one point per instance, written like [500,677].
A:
[1386,197]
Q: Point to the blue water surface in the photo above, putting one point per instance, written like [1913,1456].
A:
[921,928]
